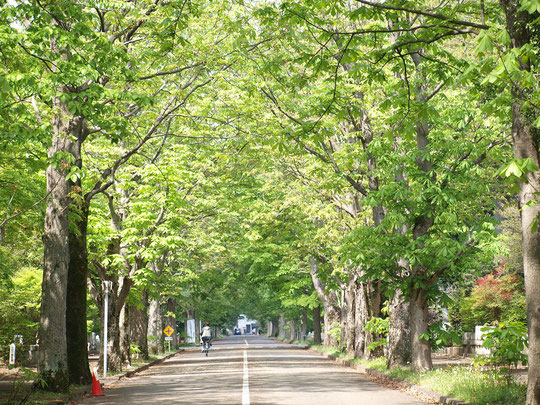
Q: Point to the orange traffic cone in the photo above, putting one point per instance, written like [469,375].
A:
[96,387]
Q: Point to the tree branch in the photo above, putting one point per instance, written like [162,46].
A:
[426,14]
[171,72]
[100,186]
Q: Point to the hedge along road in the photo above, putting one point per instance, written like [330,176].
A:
[250,370]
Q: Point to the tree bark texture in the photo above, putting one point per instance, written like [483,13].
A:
[138,325]
[421,348]
[317,338]
[292,329]
[76,332]
[53,359]
[368,306]
[399,337]
[125,347]
[52,332]
[304,324]
[282,329]
[114,355]
[525,137]
[349,316]
[270,329]
[155,327]
[332,319]
[275,327]
[359,322]
[331,311]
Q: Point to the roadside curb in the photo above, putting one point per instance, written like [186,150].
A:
[416,389]
[146,366]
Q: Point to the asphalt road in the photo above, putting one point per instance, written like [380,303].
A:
[250,370]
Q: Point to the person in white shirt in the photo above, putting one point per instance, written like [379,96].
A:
[206,334]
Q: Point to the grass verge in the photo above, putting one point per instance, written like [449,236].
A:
[26,394]
[469,384]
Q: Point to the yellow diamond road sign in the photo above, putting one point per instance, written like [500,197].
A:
[168,331]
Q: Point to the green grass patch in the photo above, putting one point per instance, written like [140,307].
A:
[38,397]
[335,352]
[466,383]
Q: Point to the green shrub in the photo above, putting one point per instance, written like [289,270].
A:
[507,342]
[335,331]
[19,312]
[378,326]
[441,335]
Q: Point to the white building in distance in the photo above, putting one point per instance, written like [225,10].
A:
[247,326]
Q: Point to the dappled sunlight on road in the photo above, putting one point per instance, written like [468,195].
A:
[278,374]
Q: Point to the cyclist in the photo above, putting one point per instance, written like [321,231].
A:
[206,335]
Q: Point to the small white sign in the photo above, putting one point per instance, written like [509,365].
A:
[190,329]
[12,349]
[168,337]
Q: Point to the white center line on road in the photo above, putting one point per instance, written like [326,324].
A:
[245,386]
[247,344]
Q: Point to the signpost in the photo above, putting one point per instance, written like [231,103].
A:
[107,285]
[168,331]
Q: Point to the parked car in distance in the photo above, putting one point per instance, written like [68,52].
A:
[237,331]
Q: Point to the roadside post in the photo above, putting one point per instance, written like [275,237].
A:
[106,289]
[168,331]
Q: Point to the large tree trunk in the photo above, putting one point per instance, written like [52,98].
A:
[359,322]
[170,320]
[155,327]
[115,351]
[125,341]
[155,321]
[331,312]
[317,338]
[76,332]
[270,328]
[331,319]
[138,325]
[52,333]
[526,137]
[349,316]
[421,348]
[282,331]
[275,327]
[53,360]
[368,306]
[399,337]
[292,330]
[531,257]
[303,322]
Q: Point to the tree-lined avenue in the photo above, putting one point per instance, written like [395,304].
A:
[363,172]
[278,374]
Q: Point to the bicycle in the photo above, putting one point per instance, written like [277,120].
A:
[206,346]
